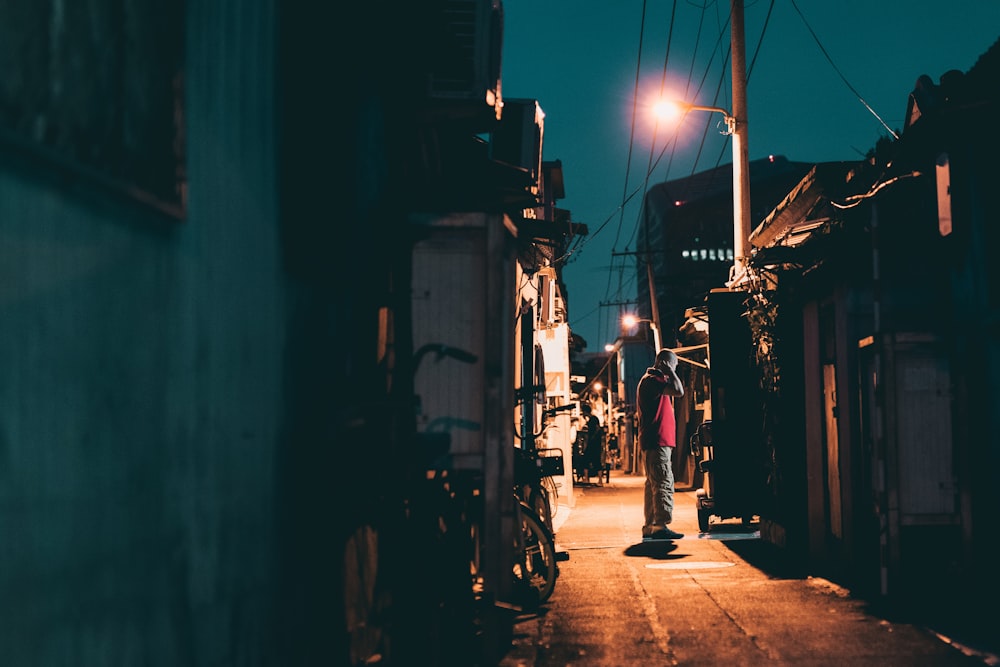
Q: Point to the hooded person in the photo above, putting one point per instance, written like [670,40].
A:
[657,429]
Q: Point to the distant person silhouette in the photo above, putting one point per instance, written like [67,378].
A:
[590,457]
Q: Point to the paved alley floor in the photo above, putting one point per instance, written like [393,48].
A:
[697,601]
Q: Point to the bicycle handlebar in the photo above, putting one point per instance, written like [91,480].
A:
[443,350]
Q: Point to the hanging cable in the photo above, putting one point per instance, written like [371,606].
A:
[854,200]
[840,74]
[631,137]
[726,144]
[628,160]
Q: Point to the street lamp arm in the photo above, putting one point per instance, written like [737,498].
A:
[696,107]
[728,117]
[632,320]
[741,173]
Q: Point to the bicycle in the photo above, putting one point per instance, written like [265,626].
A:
[535,569]
[530,486]
[548,483]
[434,511]
[534,472]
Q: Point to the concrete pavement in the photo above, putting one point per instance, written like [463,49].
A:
[700,601]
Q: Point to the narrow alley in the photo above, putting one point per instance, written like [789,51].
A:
[722,597]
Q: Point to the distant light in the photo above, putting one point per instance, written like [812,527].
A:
[770,158]
[678,202]
[608,347]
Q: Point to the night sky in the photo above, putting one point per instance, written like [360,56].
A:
[826,81]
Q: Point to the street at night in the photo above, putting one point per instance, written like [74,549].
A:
[718,598]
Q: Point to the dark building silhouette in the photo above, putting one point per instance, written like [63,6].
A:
[687,233]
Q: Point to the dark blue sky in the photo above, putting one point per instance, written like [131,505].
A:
[579,59]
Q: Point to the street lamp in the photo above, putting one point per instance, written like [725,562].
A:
[736,126]
[672,109]
[741,179]
[629,321]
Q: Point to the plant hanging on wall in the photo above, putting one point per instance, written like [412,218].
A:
[762,316]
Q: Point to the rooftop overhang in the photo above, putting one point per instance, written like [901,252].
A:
[531,229]
[801,214]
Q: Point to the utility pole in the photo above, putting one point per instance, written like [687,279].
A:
[654,309]
[741,150]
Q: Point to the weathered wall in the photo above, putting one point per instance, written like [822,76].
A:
[141,369]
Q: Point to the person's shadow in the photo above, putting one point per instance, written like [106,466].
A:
[660,550]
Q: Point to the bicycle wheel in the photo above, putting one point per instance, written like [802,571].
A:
[549,485]
[535,570]
[539,500]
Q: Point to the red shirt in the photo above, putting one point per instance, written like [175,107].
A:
[657,425]
[668,425]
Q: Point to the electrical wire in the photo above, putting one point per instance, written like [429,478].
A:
[631,137]
[841,74]
[855,200]
[628,161]
[572,253]
[687,86]
[580,242]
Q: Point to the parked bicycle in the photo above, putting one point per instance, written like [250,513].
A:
[434,511]
[536,568]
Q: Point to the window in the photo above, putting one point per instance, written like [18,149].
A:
[95,90]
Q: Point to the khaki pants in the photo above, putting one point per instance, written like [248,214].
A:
[658,492]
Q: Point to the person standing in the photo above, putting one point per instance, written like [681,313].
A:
[657,438]
[588,445]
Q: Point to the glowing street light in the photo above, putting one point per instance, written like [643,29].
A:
[736,126]
[629,321]
[672,109]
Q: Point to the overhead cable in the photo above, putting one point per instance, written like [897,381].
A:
[839,73]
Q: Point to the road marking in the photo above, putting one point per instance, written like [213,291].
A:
[730,536]
[693,565]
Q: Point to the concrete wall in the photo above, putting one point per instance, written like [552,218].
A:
[141,370]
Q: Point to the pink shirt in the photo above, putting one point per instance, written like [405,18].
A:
[668,425]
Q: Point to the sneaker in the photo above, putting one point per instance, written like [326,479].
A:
[663,534]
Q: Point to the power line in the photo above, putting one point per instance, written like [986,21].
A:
[839,73]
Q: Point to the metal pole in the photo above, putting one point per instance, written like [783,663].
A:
[654,308]
[656,336]
[741,151]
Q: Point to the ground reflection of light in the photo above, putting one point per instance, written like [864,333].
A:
[696,565]
[730,536]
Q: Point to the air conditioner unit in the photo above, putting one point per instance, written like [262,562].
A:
[465,75]
[517,140]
